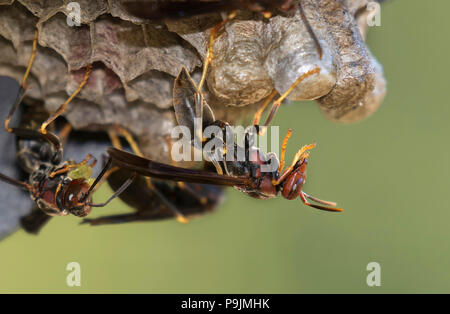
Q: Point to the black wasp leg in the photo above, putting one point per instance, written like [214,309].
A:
[178,214]
[114,219]
[139,215]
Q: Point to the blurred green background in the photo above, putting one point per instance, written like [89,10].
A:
[390,173]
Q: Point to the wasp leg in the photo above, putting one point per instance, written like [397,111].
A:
[257,116]
[119,191]
[209,53]
[108,220]
[23,85]
[99,180]
[104,177]
[64,133]
[278,102]
[62,108]
[116,219]
[34,134]
[137,216]
[106,171]
[135,147]
[68,167]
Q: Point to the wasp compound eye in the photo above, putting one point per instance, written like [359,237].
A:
[74,194]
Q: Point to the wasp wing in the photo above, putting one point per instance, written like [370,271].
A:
[149,168]
[187,102]
[34,221]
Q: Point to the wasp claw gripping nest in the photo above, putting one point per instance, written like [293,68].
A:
[135,62]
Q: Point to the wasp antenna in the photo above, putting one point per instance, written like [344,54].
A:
[325,208]
[23,185]
[97,180]
[317,200]
[303,197]
[119,191]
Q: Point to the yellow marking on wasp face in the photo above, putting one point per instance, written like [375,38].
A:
[81,172]
[90,181]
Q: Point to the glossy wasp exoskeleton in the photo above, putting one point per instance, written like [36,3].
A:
[247,176]
[57,187]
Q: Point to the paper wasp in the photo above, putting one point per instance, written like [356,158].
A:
[57,187]
[246,175]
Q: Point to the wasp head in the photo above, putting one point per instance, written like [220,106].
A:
[75,193]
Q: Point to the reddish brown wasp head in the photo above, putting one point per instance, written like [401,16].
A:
[74,195]
[293,186]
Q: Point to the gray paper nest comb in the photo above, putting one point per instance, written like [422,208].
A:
[135,62]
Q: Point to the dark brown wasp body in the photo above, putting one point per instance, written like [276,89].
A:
[41,157]
[57,187]
[247,176]
[158,9]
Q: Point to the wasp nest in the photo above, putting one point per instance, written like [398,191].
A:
[135,62]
